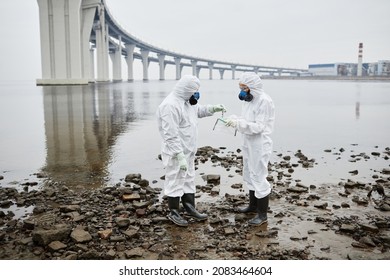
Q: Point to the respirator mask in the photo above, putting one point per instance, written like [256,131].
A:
[194,98]
[245,94]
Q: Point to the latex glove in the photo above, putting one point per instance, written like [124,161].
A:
[217,108]
[182,161]
[231,123]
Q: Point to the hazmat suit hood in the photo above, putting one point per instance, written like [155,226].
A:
[253,81]
[186,87]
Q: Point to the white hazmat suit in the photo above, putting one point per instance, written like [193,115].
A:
[178,127]
[256,125]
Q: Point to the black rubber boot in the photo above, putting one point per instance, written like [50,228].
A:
[251,208]
[174,216]
[262,208]
[188,201]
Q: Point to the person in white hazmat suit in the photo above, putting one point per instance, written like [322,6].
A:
[177,122]
[256,125]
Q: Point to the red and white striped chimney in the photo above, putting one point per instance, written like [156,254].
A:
[360,60]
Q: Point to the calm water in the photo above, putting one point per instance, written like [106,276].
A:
[96,134]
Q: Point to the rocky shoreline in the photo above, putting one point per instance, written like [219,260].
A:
[350,220]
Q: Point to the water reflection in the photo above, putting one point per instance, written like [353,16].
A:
[82,124]
[357,104]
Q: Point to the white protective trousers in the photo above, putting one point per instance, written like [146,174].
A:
[178,127]
[256,125]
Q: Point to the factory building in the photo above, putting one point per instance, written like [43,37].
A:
[380,68]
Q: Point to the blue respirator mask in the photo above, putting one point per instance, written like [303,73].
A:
[194,98]
[245,95]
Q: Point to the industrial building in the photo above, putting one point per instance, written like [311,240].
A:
[380,68]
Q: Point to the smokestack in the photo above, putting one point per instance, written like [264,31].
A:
[360,60]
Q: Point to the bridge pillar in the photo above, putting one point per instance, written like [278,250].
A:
[130,61]
[221,71]
[101,31]
[116,58]
[194,72]
[145,63]
[60,34]
[234,72]
[197,71]
[178,68]
[211,65]
[89,9]
[256,69]
[161,63]
[92,65]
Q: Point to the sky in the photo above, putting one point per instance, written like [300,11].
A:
[283,33]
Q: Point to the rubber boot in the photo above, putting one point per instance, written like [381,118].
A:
[174,216]
[188,201]
[251,208]
[261,215]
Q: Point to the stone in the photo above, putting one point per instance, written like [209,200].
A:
[122,222]
[56,246]
[135,252]
[133,177]
[105,234]
[131,197]
[57,233]
[80,236]
[213,179]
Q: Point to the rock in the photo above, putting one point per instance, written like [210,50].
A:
[28,224]
[370,228]
[354,172]
[117,238]
[367,241]
[213,179]
[386,171]
[143,204]
[122,222]
[70,208]
[133,177]
[229,231]
[110,254]
[6,203]
[58,233]
[80,236]
[267,234]
[56,246]
[215,190]
[359,200]
[131,197]
[297,189]
[135,252]
[130,233]
[105,234]
[347,228]
[321,205]
[385,238]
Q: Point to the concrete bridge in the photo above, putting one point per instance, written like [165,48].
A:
[80,37]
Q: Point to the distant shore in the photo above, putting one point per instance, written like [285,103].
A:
[332,78]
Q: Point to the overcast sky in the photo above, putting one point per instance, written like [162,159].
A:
[266,32]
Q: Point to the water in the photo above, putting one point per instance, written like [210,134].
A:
[94,135]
